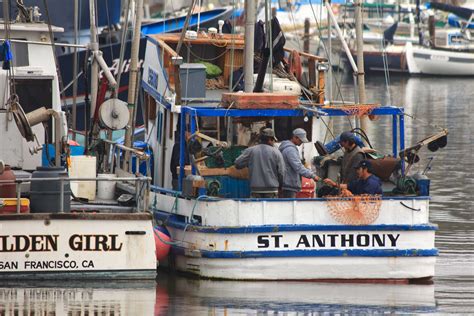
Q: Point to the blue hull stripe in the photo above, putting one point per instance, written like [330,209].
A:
[171,220]
[313,253]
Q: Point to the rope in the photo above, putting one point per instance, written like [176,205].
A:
[384,56]
[318,26]
[202,58]
[51,36]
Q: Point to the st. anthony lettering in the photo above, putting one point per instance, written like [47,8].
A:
[347,240]
[316,241]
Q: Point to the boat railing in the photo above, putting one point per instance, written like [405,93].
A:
[142,188]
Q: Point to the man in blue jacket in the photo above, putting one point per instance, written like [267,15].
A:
[266,166]
[294,168]
[366,182]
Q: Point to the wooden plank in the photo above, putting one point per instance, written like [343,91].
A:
[254,100]
[308,55]
[223,40]
[167,48]
[231,171]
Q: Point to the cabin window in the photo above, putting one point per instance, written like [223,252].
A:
[35,93]
[150,113]
[159,126]
[20,54]
[20,50]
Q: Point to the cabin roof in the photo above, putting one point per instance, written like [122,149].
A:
[32,27]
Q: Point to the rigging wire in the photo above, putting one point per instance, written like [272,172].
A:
[318,26]
[384,55]
[58,72]
[109,40]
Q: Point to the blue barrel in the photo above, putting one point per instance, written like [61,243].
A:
[45,195]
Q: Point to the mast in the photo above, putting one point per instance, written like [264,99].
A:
[132,87]
[249,44]
[94,45]
[75,70]
[360,60]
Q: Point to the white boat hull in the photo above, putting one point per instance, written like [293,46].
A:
[77,246]
[428,61]
[297,240]
[322,268]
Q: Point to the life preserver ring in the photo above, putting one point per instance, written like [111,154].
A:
[294,64]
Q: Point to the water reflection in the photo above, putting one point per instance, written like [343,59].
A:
[82,298]
[234,297]
[178,295]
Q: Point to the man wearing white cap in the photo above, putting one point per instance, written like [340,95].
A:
[294,168]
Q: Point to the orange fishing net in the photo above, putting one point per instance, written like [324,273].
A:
[358,110]
[355,210]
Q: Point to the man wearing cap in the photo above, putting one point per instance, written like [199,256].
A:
[353,154]
[294,167]
[266,166]
[366,182]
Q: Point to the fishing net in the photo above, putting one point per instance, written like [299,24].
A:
[355,210]
[358,110]
[222,158]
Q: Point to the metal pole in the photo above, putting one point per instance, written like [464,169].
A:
[360,60]
[18,197]
[307,25]
[394,136]
[133,77]
[249,44]
[182,146]
[185,27]
[94,45]
[330,75]
[341,37]
[61,199]
[74,69]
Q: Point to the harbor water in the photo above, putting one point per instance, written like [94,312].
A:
[433,102]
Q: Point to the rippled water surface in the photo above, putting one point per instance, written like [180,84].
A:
[444,102]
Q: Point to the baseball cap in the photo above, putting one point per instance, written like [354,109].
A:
[347,136]
[268,132]
[301,134]
[363,164]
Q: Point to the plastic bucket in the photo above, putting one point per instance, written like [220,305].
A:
[83,167]
[106,189]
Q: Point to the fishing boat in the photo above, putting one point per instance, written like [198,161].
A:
[447,52]
[438,61]
[217,230]
[43,234]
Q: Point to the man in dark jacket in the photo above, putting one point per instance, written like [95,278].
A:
[353,155]
[294,168]
[266,166]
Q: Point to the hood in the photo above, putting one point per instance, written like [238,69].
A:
[286,144]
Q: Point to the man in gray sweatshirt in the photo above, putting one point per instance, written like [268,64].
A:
[294,167]
[266,166]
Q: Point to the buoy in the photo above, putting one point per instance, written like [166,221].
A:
[162,242]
